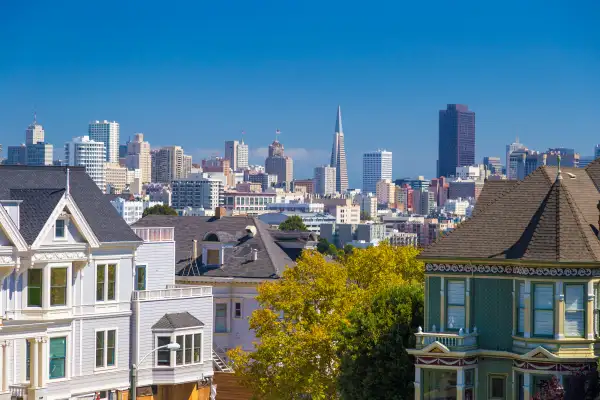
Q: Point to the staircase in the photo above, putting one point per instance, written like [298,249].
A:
[219,364]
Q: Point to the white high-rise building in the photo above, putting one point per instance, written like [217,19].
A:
[242,156]
[325,180]
[377,166]
[82,151]
[107,133]
[237,154]
[34,133]
[197,191]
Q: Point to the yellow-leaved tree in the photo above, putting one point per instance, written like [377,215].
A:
[301,315]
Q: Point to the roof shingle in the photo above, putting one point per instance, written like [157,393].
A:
[172,321]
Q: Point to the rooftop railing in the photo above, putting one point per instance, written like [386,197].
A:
[172,293]
[455,341]
[155,234]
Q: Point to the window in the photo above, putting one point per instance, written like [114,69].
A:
[574,311]
[221,318]
[497,387]
[59,229]
[58,357]
[179,353]
[106,348]
[543,310]
[106,280]
[237,313]
[190,349]
[198,347]
[212,257]
[455,305]
[140,277]
[163,356]
[58,286]
[521,308]
[34,288]
[439,384]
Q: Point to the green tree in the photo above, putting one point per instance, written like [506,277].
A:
[323,246]
[348,249]
[364,216]
[293,223]
[374,363]
[159,209]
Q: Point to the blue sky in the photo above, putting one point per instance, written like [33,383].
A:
[197,73]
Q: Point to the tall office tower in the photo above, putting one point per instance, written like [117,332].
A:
[511,165]
[456,139]
[83,151]
[242,156]
[325,180]
[338,155]
[107,133]
[377,165]
[167,164]
[39,154]
[386,192]
[237,154]
[493,165]
[138,157]
[197,191]
[277,163]
[16,155]
[34,132]
[186,166]
[123,149]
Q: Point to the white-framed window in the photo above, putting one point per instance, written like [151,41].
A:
[60,229]
[221,323]
[190,349]
[59,278]
[163,356]
[521,308]
[106,282]
[455,304]
[237,309]
[106,348]
[574,310]
[543,309]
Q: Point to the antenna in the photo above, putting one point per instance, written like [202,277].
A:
[277,133]
[34,117]
[559,176]
[243,133]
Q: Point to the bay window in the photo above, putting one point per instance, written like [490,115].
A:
[189,352]
[543,309]
[574,310]
[455,304]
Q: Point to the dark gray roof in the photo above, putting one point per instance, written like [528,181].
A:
[231,231]
[174,321]
[541,218]
[21,182]
[491,191]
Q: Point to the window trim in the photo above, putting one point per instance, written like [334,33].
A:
[135,282]
[584,309]
[65,225]
[489,382]
[464,305]
[227,313]
[105,349]
[533,309]
[105,295]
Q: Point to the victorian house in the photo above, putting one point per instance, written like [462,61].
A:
[511,296]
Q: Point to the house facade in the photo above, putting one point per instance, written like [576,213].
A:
[68,265]
[511,296]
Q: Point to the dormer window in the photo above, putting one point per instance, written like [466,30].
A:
[60,229]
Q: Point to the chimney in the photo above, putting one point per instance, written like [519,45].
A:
[220,212]
[254,254]
[195,250]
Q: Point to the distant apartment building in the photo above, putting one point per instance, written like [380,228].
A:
[88,153]
[297,207]
[249,187]
[138,157]
[368,204]
[265,180]
[469,172]
[404,198]
[439,187]
[237,154]
[325,180]
[197,191]
[303,185]
[511,163]
[457,207]
[386,192]
[377,166]
[493,165]
[277,163]
[465,189]
[312,221]
[426,229]
[221,166]
[341,234]
[158,192]
[397,238]
[118,179]
[39,153]
[108,133]
[424,202]
[347,214]
[16,155]
[132,210]
[167,164]
[456,138]
[247,203]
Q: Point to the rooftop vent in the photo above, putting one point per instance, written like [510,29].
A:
[251,231]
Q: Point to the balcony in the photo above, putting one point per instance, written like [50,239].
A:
[155,234]
[460,341]
[172,292]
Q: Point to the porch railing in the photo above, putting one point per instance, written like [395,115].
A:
[172,293]
[18,392]
[459,341]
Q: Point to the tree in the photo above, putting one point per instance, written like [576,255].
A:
[348,249]
[160,209]
[300,318]
[374,363]
[293,223]
[364,216]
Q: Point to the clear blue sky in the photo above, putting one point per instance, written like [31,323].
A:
[197,73]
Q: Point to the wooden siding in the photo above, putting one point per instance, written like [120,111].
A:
[229,387]
[492,312]
[433,302]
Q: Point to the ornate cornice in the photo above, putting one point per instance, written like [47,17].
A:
[7,260]
[555,367]
[516,270]
[59,256]
[446,361]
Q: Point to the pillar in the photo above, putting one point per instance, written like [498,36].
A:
[442,304]
[527,301]
[460,384]
[526,386]
[559,315]
[33,376]
[417,383]
[44,361]
[589,309]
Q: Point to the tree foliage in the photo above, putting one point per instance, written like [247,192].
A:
[293,223]
[374,363]
[159,209]
[364,216]
[301,316]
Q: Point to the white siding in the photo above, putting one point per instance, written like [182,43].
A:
[159,258]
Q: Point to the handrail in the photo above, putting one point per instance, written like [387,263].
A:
[171,293]
[155,234]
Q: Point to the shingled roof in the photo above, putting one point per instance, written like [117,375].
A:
[541,218]
[238,246]
[41,188]
[174,321]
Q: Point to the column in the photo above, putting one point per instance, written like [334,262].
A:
[589,311]
[43,378]
[442,304]
[417,383]
[527,301]
[5,346]
[526,386]
[559,315]
[33,376]
[460,384]
[468,305]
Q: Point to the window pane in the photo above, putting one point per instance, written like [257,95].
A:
[456,317]
[34,288]
[544,296]
[57,356]
[111,348]
[543,318]
[543,323]
[221,318]
[574,325]
[179,353]
[521,320]
[163,355]
[456,293]
[100,349]
[141,277]
[188,349]
[497,387]
[197,347]
[60,228]
[111,281]
[238,310]
[58,286]
[439,384]
[100,282]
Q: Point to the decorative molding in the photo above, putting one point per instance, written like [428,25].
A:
[516,270]
[59,256]
[554,367]
[7,260]
[454,362]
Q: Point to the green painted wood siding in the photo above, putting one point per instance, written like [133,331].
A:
[488,367]
[433,302]
[492,313]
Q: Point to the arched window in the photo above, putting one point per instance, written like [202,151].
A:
[211,237]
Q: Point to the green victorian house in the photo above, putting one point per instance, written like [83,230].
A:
[512,294]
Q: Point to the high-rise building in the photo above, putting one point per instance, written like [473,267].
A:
[237,154]
[107,133]
[277,163]
[338,155]
[34,132]
[197,191]
[39,153]
[493,165]
[123,150]
[377,166]
[265,180]
[511,165]
[325,180]
[242,156]
[16,155]
[82,151]
[596,151]
[138,157]
[167,164]
[456,139]
[386,192]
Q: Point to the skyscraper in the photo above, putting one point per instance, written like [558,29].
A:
[377,166]
[16,155]
[167,164]
[493,165]
[511,165]
[34,132]
[324,180]
[107,133]
[456,139]
[338,155]
[82,151]
[39,153]
[277,163]
[138,157]
[237,154]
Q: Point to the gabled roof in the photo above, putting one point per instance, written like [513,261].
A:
[541,218]
[105,222]
[491,191]
[238,246]
[174,321]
